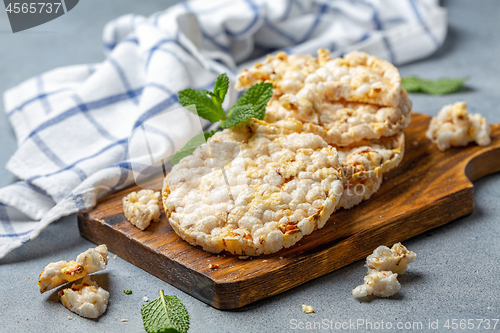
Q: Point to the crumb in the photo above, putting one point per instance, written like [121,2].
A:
[213,266]
[145,299]
[281,258]
[243,257]
[124,320]
[69,317]
[18,321]
[307,308]
[115,256]
[264,260]
[415,143]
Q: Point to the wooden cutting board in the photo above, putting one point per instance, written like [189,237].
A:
[429,188]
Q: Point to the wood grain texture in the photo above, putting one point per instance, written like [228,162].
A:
[430,188]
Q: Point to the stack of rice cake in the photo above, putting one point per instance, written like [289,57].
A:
[332,128]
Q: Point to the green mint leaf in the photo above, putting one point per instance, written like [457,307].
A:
[258,95]
[191,145]
[221,86]
[128,292]
[205,106]
[165,314]
[434,87]
[239,114]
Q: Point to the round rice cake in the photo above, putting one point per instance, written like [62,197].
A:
[357,77]
[281,185]
[344,100]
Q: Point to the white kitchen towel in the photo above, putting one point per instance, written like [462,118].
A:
[72,124]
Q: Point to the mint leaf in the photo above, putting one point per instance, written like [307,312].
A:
[205,106]
[165,314]
[433,87]
[128,292]
[221,86]
[258,95]
[239,114]
[191,145]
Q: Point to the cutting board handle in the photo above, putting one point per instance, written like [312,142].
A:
[485,160]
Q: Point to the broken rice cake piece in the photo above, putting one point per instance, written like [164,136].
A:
[58,273]
[140,208]
[454,126]
[86,299]
[384,265]
[283,184]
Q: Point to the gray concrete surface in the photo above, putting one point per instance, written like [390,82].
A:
[456,272]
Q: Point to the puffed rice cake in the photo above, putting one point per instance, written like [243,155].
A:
[283,184]
[357,77]
[344,100]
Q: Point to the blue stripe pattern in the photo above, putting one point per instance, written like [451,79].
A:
[36,99]
[106,101]
[124,80]
[422,23]
[84,110]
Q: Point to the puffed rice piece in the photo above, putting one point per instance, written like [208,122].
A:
[381,284]
[58,273]
[454,126]
[283,184]
[395,259]
[141,208]
[86,299]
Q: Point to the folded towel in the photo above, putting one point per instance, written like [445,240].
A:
[72,124]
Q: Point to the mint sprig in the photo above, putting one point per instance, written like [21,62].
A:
[252,104]
[165,314]
[239,114]
[205,106]
[433,87]
[258,96]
